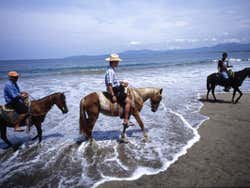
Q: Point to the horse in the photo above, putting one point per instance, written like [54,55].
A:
[99,102]
[235,82]
[38,111]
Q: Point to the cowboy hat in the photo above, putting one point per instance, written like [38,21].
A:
[113,57]
[13,74]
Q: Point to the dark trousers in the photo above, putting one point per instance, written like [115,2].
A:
[119,93]
[19,106]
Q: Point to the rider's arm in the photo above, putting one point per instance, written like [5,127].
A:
[229,65]
[12,92]
[110,90]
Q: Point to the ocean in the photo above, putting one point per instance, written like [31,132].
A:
[60,161]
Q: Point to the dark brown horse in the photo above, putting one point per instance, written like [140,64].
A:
[39,109]
[235,82]
[94,103]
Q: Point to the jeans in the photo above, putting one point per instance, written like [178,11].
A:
[19,107]
[224,75]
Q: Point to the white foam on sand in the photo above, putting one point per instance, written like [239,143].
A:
[140,171]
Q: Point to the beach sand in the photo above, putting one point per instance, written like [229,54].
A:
[221,158]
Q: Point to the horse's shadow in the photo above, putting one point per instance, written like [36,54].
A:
[108,135]
[214,101]
[26,139]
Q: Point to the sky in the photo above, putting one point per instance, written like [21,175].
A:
[35,29]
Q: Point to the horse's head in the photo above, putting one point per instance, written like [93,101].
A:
[156,99]
[60,102]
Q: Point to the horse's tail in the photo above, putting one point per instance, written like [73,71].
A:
[82,119]
[209,84]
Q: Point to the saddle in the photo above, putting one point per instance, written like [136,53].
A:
[9,114]
[7,108]
[115,108]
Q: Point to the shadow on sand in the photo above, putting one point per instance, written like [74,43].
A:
[213,101]
[109,135]
[19,141]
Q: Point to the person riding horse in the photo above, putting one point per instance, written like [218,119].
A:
[15,99]
[223,64]
[116,89]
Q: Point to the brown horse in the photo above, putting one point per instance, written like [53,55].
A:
[235,82]
[38,110]
[94,103]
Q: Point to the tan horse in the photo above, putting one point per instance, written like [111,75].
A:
[99,102]
[39,109]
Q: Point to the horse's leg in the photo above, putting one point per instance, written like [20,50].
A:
[4,137]
[239,96]
[208,90]
[213,88]
[141,124]
[123,133]
[92,117]
[233,95]
[39,132]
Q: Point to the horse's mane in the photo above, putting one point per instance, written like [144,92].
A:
[243,70]
[44,98]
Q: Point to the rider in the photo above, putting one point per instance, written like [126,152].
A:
[116,88]
[222,69]
[15,99]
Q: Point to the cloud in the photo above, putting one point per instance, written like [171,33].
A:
[134,43]
[230,40]
[187,40]
[61,28]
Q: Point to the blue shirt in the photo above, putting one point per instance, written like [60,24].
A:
[11,91]
[111,77]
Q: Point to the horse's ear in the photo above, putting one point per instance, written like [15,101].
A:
[161,90]
[65,92]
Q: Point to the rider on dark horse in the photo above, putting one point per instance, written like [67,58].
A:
[222,69]
[117,89]
[15,99]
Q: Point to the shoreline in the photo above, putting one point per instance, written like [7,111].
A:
[221,157]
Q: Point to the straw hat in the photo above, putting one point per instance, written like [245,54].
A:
[113,57]
[13,74]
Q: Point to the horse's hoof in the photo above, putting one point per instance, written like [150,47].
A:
[145,139]
[16,147]
[125,141]
[92,142]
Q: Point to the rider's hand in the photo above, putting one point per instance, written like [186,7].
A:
[124,83]
[114,99]
[24,95]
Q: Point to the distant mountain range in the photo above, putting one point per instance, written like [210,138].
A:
[227,47]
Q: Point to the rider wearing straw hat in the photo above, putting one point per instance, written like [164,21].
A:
[116,88]
[15,99]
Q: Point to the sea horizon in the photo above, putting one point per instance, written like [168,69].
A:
[171,130]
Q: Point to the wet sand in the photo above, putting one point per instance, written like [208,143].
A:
[221,158]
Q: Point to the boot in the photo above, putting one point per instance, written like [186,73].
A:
[18,122]
[28,123]
[227,85]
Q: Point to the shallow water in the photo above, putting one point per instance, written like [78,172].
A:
[61,161]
